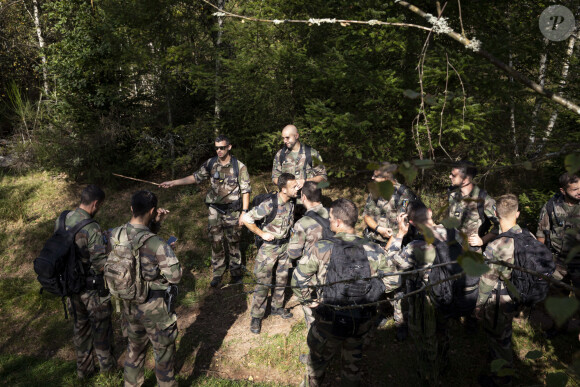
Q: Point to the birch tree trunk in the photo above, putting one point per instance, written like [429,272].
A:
[218,42]
[565,70]
[538,105]
[41,44]
[513,112]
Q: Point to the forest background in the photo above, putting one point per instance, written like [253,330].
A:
[142,87]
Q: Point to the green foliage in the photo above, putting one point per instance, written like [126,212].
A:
[472,263]
[561,309]
[556,379]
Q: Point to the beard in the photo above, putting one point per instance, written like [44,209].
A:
[571,199]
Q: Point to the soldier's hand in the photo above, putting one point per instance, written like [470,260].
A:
[267,237]
[161,214]
[167,184]
[475,240]
[403,223]
[478,312]
[386,232]
[299,183]
[240,221]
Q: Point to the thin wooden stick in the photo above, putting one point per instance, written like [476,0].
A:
[133,178]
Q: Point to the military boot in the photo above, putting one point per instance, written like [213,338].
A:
[284,313]
[215,281]
[256,325]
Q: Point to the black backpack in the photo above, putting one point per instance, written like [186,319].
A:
[324,223]
[531,254]
[349,262]
[58,269]
[450,297]
[269,218]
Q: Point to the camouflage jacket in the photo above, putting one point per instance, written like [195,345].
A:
[313,266]
[418,253]
[563,226]
[282,223]
[305,233]
[465,209]
[500,249]
[294,163]
[90,244]
[225,188]
[159,265]
[385,212]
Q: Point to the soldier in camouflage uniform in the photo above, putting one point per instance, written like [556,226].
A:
[273,252]
[92,307]
[427,325]
[380,216]
[227,200]
[151,321]
[559,228]
[307,231]
[472,206]
[312,269]
[293,159]
[497,319]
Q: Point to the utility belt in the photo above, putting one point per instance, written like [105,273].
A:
[226,208]
[97,282]
[278,242]
[169,295]
[346,322]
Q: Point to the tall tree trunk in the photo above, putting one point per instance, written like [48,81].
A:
[538,105]
[41,44]
[565,70]
[513,112]
[218,42]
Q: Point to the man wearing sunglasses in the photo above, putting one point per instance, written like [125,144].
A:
[227,200]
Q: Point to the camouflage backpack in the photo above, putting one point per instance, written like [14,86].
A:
[123,267]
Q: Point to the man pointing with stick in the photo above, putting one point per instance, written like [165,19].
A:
[227,200]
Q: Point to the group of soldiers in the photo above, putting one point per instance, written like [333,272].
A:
[299,238]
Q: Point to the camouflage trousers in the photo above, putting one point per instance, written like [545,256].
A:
[150,322]
[270,258]
[92,330]
[223,229]
[498,327]
[429,330]
[324,345]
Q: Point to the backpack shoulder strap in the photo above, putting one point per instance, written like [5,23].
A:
[319,219]
[551,210]
[77,227]
[210,163]
[270,217]
[308,154]
[235,162]
[62,220]
[282,156]
[481,204]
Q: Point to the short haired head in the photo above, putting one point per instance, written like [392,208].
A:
[283,180]
[566,179]
[386,170]
[418,212]
[222,137]
[312,192]
[506,206]
[466,168]
[345,210]
[91,193]
[142,202]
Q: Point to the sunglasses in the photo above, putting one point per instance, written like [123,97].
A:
[221,147]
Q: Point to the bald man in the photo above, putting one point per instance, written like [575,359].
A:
[297,159]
